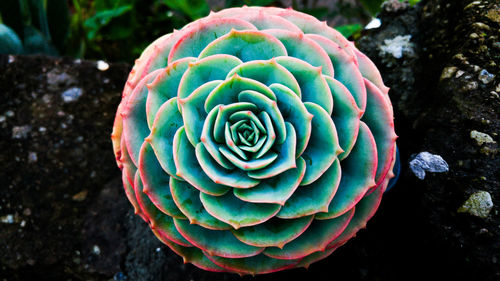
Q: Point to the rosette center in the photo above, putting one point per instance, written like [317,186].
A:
[245,135]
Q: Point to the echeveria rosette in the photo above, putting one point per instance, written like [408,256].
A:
[254,140]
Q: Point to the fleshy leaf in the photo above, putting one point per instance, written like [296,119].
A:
[167,122]
[271,135]
[273,233]
[234,178]
[267,72]
[193,255]
[294,111]
[237,213]
[323,146]
[314,257]
[345,116]
[189,169]
[252,164]
[128,174]
[232,146]
[220,243]
[276,189]
[164,87]
[316,238]
[370,71]
[270,107]
[207,138]
[315,197]
[205,70]
[158,221]
[380,120]
[193,111]
[199,35]
[187,198]
[312,84]
[309,24]
[246,45]
[156,182]
[365,209]
[264,21]
[358,173]
[299,46]
[286,159]
[346,68]
[228,91]
[135,124]
[223,115]
[259,264]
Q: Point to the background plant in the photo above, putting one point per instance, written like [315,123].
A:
[100,29]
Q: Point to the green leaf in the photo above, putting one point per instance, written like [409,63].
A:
[38,17]
[193,8]
[349,29]
[9,41]
[372,6]
[103,18]
[35,42]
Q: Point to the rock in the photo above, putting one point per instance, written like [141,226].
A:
[479,204]
[397,46]
[71,94]
[485,76]
[481,138]
[427,162]
[439,96]
[448,72]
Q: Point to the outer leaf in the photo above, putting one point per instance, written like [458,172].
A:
[313,198]
[193,255]
[312,84]
[156,182]
[259,264]
[135,125]
[221,243]
[164,87]
[237,213]
[246,45]
[273,233]
[358,174]
[162,223]
[199,35]
[187,198]
[167,122]
[314,239]
[379,118]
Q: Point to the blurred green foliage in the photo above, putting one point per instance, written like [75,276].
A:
[117,30]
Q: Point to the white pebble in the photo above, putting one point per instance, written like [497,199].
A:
[96,250]
[102,65]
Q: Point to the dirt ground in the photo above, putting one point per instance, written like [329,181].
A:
[64,215]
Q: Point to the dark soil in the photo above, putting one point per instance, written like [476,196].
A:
[64,216]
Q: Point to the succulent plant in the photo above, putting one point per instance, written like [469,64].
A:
[254,140]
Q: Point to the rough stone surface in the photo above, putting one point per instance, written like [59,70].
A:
[440,95]
[64,215]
